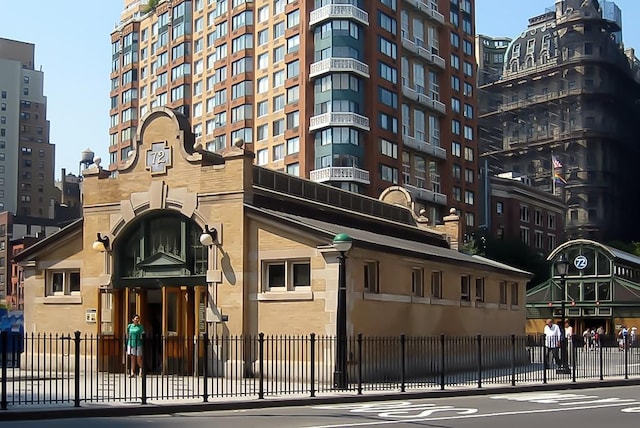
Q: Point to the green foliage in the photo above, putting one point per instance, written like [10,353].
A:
[628,247]
[513,253]
[151,6]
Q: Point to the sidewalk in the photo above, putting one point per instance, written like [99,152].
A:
[155,407]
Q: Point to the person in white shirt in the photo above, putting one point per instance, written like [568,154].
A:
[552,339]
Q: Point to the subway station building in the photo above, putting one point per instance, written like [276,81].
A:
[601,289]
[196,241]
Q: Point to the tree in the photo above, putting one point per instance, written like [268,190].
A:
[511,252]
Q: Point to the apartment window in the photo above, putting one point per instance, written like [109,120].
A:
[278,127]
[469,175]
[388,72]
[417,282]
[293,44]
[286,275]
[293,120]
[468,69]
[263,37]
[455,61]
[387,22]
[467,47]
[551,242]
[499,207]
[389,174]
[465,288]
[62,283]
[455,83]
[468,197]
[293,169]
[293,94]
[371,277]
[538,239]
[468,154]
[293,18]
[293,69]
[263,14]
[455,105]
[514,294]
[524,213]
[293,145]
[387,47]
[387,148]
[468,133]
[278,54]
[468,89]
[468,111]
[479,289]
[262,157]
[455,40]
[455,127]
[436,284]
[456,149]
[551,221]
[503,293]
[278,152]
[278,30]
[524,235]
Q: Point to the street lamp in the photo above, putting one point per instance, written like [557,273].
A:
[341,243]
[562,267]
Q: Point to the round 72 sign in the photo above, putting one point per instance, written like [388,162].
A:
[580,262]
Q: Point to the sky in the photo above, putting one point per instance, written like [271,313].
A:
[73,48]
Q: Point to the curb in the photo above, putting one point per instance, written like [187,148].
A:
[161,409]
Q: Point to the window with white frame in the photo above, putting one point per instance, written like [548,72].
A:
[417,282]
[371,277]
[286,275]
[63,282]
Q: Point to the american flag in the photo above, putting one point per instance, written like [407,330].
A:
[556,162]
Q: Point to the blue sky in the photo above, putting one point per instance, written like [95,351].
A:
[73,49]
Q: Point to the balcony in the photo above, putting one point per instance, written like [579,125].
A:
[343,65]
[423,99]
[326,120]
[426,195]
[424,147]
[338,11]
[335,173]
[430,10]
[423,52]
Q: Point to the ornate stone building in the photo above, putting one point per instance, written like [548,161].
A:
[564,113]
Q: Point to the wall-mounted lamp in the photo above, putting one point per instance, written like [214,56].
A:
[101,244]
[209,236]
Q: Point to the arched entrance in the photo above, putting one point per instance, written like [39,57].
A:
[159,273]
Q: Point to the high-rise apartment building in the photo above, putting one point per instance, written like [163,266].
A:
[565,114]
[27,158]
[356,94]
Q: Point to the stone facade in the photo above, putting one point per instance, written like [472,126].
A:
[272,267]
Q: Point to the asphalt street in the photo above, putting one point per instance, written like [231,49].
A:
[585,408]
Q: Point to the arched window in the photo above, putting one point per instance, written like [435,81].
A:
[160,249]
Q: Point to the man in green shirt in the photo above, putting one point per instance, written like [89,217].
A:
[135,330]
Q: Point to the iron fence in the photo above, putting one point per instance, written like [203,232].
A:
[75,368]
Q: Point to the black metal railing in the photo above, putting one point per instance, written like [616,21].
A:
[71,369]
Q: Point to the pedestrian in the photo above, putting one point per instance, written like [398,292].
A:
[135,330]
[552,338]
[568,333]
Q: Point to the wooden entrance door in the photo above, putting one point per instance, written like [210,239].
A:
[179,305]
